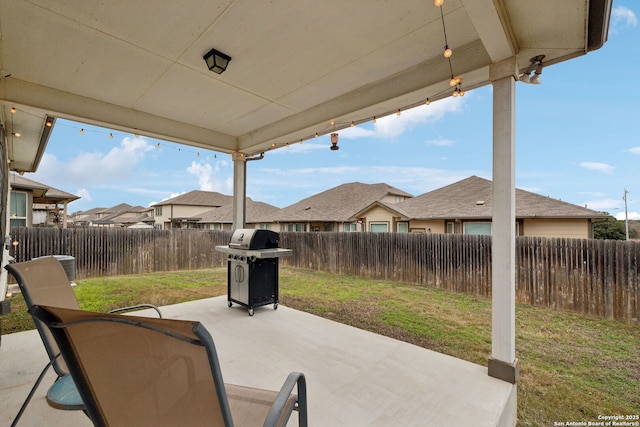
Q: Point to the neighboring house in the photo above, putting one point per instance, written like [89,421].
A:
[258,215]
[122,215]
[36,204]
[465,207]
[185,211]
[125,217]
[334,209]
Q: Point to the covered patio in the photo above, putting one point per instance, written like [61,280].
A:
[296,70]
[354,377]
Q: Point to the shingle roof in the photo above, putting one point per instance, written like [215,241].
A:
[42,193]
[473,198]
[198,198]
[337,204]
[256,212]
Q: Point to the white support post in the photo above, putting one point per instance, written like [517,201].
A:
[239,191]
[503,363]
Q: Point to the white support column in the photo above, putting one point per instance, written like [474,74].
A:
[503,363]
[239,190]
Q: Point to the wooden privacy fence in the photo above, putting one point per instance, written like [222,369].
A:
[595,277]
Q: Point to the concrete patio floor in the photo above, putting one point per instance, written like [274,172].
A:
[354,377]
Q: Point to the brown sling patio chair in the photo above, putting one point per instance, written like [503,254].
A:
[160,372]
[44,281]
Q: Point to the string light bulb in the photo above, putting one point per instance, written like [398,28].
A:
[452,82]
[427,102]
[111,135]
[316,135]
[455,93]
[399,112]
[49,123]
[13,110]
[447,52]
[352,124]
[81,131]
[438,3]
[333,122]
[374,119]
[17,134]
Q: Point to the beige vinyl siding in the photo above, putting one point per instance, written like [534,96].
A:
[378,214]
[567,228]
[422,226]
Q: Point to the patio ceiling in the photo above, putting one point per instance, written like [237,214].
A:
[137,66]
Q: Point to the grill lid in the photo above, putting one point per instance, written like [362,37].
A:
[252,239]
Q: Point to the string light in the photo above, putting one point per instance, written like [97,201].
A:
[352,124]
[49,123]
[81,131]
[438,3]
[447,52]
[111,135]
[374,119]
[399,112]
[427,102]
[13,110]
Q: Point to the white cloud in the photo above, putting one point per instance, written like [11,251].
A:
[206,174]
[442,142]
[634,150]
[119,164]
[623,15]
[604,205]
[84,194]
[597,166]
[631,215]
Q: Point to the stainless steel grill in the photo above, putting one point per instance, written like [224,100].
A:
[252,261]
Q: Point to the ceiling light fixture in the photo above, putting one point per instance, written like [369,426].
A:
[216,61]
[536,68]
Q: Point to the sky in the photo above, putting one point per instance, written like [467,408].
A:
[577,140]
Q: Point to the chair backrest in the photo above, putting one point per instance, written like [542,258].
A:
[140,371]
[43,281]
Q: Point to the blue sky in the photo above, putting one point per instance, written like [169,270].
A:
[577,139]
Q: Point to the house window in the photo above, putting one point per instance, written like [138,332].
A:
[379,227]
[296,227]
[483,228]
[403,227]
[212,226]
[265,226]
[328,226]
[399,199]
[158,211]
[351,226]
[18,211]
[451,228]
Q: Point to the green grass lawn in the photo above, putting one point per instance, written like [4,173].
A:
[572,367]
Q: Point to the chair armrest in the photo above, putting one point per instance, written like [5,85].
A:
[136,307]
[294,378]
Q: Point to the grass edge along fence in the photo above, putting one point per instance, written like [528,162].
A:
[594,277]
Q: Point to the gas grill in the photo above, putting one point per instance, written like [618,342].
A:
[252,261]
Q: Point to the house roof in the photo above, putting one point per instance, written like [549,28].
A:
[42,193]
[198,198]
[472,198]
[337,204]
[256,212]
[295,65]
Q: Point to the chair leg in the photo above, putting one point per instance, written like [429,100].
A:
[31,393]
